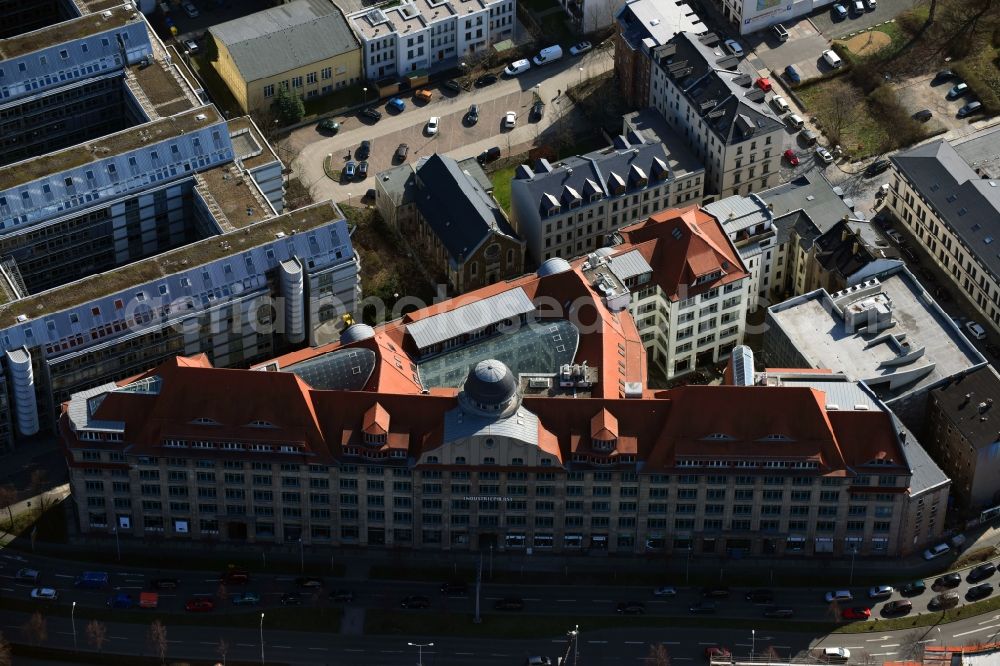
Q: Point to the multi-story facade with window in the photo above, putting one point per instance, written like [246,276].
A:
[947,196]
[305,46]
[570,208]
[711,99]
[125,247]
[640,26]
[429,35]
[413,435]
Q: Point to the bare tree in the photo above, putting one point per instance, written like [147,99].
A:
[8,498]
[156,639]
[36,629]
[222,649]
[6,658]
[97,634]
[838,109]
[658,655]
[910,647]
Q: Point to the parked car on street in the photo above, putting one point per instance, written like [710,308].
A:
[792,158]
[734,47]
[856,613]
[191,10]
[793,74]
[362,169]
[880,592]
[580,49]
[913,588]
[45,594]
[452,86]
[877,167]
[979,592]
[349,170]
[291,599]
[371,114]
[979,333]
[396,104]
[839,12]
[823,155]
[517,67]
[665,591]
[199,605]
[245,598]
[970,108]
[838,595]
[329,125]
[897,607]
[537,110]
[486,80]
[948,581]
[983,571]
[944,600]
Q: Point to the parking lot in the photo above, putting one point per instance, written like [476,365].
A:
[803,49]
[210,12]
[835,28]
[918,93]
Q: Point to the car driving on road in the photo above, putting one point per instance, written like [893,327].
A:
[45,593]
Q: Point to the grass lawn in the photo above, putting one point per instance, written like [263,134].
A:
[331,173]
[518,625]
[501,186]
[863,135]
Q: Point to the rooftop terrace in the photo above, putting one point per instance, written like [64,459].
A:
[162,89]
[182,258]
[66,31]
[112,144]
[920,346]
[233,193]
[254,141]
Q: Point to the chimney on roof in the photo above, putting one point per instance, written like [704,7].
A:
[855,248]
[983,406]
[844,233]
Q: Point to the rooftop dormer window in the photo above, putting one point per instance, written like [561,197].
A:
[204,420]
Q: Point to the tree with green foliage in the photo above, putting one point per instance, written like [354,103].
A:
[289,106]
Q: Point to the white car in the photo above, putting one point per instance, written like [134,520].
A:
[665,591]
[837,654]
[859,7]
[580,48]
[832,59]
[191,10]
[824,155]
[734,47]
[432,125]
[936,551]
[509,120]
[880,592]
[191,46]
[838,595]
[517,67]
[975,330]
[46,593]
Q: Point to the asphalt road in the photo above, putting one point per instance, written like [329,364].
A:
[455,138]
[575,603]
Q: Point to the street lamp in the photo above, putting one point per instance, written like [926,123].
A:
[365,98]
[261,639]
[753,642]
[349,196]
[72,619]
[581,75]
[420,651]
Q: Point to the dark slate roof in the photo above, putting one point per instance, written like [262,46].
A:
[978,422]
[590,174]
[457,208]
[842,256]
[653,22]
[968,204]
[716,83]
[810,193]
[285,37]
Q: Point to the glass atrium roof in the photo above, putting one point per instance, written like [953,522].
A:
[538,346]
[343,369]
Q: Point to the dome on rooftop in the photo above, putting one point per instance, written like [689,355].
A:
[356,333]
[490,387]
[553,266]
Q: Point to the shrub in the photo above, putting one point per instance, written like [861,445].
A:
[980,88]
[905,130]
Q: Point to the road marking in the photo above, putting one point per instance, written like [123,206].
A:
[992,619]
[975,631]
[927,640]
[597,642]
[498,654]
[282,647]
[671,642]
[130,587]
[65,633]
[64,576]
[743,645]
[678,659]
[7,589]
[207,643]
[566,601]
[120,638]
[601,601]
[457,654]
[401,652]
[318,648]
[635,642]
[359,650]
[244,644]
[890,645]
[525,600]
[707,643]
[782,647]
[170,641]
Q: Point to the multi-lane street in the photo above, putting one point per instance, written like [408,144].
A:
[581,605]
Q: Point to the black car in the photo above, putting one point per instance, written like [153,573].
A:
[877,167]
[364,150]
[488,155]
[451,85]
[982,572]
[371,114]
[342,596]
[509,604]
[760,596]
[942,76]
[778,611]
[291,599]
[362,170]
[455,589]
[923,115]
[472,115]
[415,601]
[402,150]
[979,592]
[486,80]
[537,110]
[702,608]
[913,588]
[164,583]
[631,608]
[715,592]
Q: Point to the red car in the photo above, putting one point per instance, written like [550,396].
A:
[764,84]
[716,652]
[792,158]
[859,613]
[199,605]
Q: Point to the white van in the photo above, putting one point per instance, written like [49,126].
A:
[517,67]
[832,59]
[547,55]
[779,104]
